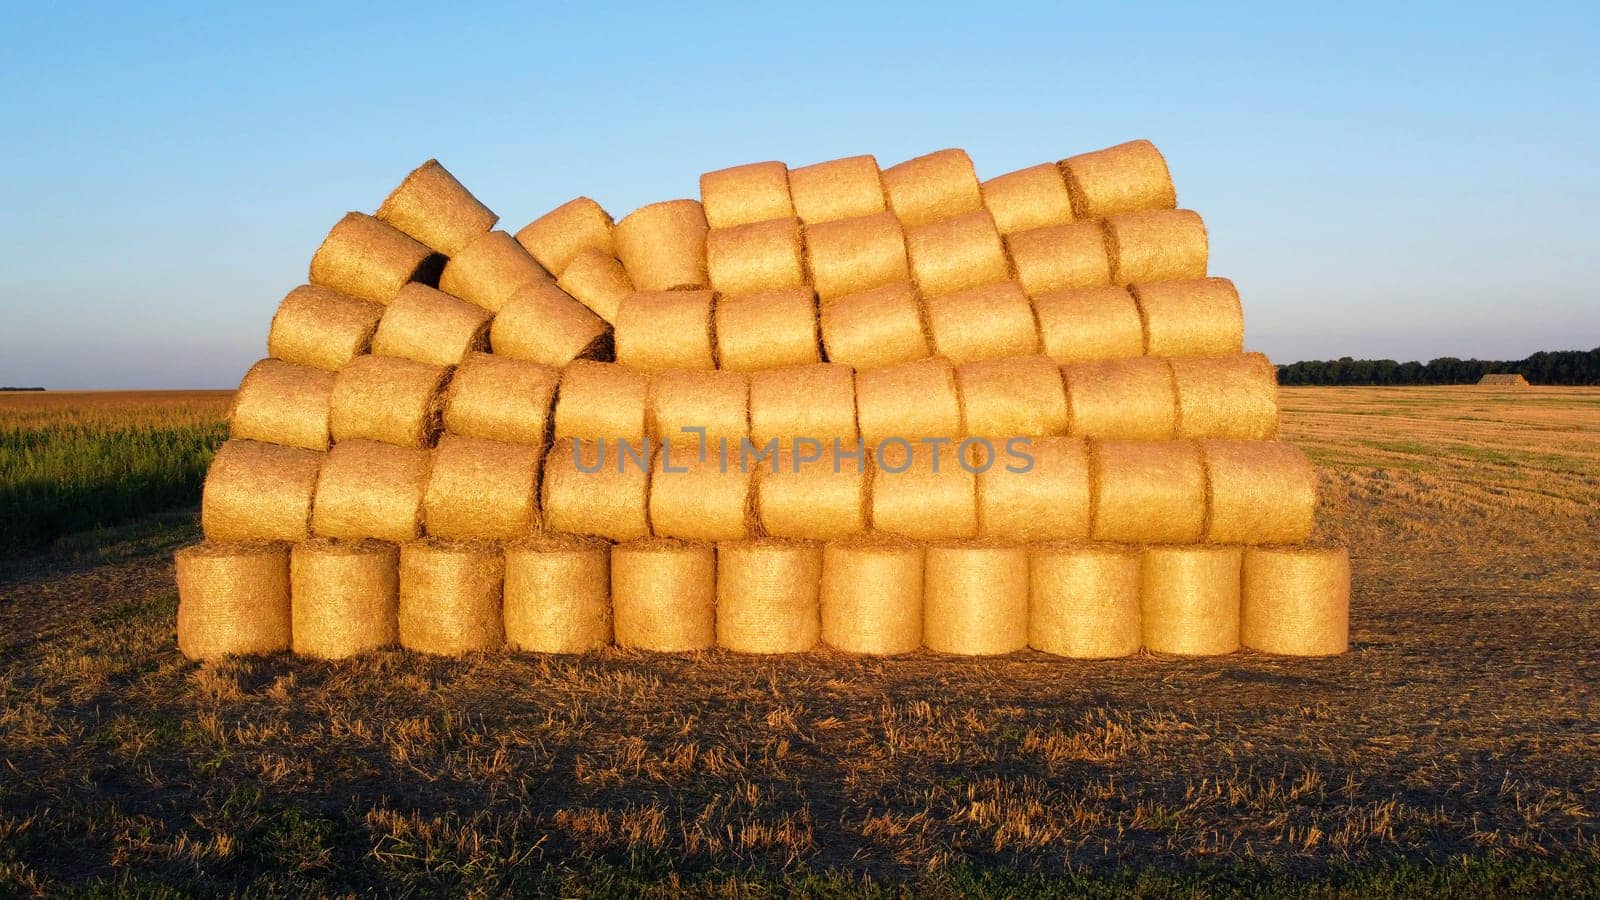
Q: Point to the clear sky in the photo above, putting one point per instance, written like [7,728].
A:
[1404,182]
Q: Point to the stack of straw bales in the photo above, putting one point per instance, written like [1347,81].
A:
[872,409]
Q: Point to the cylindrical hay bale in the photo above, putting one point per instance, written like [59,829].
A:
[975,599]
[837,189]
[542,324]
[1083,602]
[926,494]
[602,401]
[233,599]
[663,246]
[699,498]
[940,185]
[1156,245]
[450,597]
[489,270]
[664,595]
[1189,600]
[1016,396]
[815,499]
[259,492]
[1058,257]
[1122,399]
[816,402]
[665,330]
[767,596]
[1197,317]
[853,255]
[740,195]
[322,328]
[1119,179]
[1041,491]
[561,235]
[956,254]
[369,260]
[1148,492]
[501,399]
[558,594]
[1295,601]
[428,325]
[598,488]
[370,490]
[1085,324]
[876,328]
[345,597]
[690,406]
[872,596]
[911,400]
[760,256]
[986,322]
[1227,397]
[282,403]
[767,330]
[433,207]
[1028,198]
[1261,492]
[385,398]
[598,281]
[480,488]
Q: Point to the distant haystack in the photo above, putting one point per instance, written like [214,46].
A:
[1514,379]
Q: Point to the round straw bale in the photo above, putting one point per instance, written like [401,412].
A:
[345,597]
[663,246]
[1295,601]
[911,400]
[684,401]
[561,235]
[479,488]
[1123,178]
[233,599]
[768,595]
[602,401]
[666,330]
[871,596]
[558,594]
[322,328]
[1227,397]
[837,189]
[817,499]
[933,497]
[1195,317]
[767,330]
[760,256]
[428,325]
[852,255]
[1084,324]
[1083,601]
[370,490]
[1148,492]
[1028,198]
[1156,245]
[593,487]
[489,270]
[1261,492]
[664,595]
[816,401]
[598,281]
[541,323]
[956,254]
[385,398]
[433,207]
[975,598]
[699,498]
[259,492]
[1122,399]
[871,329]
[282,403]
[940,185]
[450,597]
[985,322]
[754,192]
[1019,395]
[501,399]
[1057,257]
[368,260]
[1189,600]
[1040,493]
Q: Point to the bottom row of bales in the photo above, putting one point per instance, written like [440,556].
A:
[334,599]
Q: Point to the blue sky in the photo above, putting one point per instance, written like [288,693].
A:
[1408,183]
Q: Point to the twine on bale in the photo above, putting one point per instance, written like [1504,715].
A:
[1189,600]
[1227,397]
[699,498]
[450,597]
[558,594]
[767,330]
[596,493]
[259,492]
[1295,601]
[385,398]
[601,401]
[575,228]
[322,328]
[975,598]
[810,499]
[478,488]
[1088,324]
[986,322]
[956,254]
[910,401]
[664,595]
[432,207]
[1122,399]
[1118,179]
[1083,602]
[489,270]
[1148,492]
[816,402]
[233,599]
[1156,245]
[1028,198]
[1195,317]
[542,324]
[345,597]
[370,490]
[282,403]
[924,494]
[428,325]
[767,596]
[663,246]
[871,596]
[760,256]
[876,328]
[1060,257]
[598,281]
[755,192]
[685,401]
[1015,396]
[939,185]
[1046,498]
[666,330]
[368,260]
[501,399]
[848,256]
[837,189]
[1259,492]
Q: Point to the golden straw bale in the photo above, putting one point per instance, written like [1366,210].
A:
[450,597]
[760,256]
[1156,245]
[370,490]
[541,323]
[1189,600]
[714,400]
[975,598]
[767,330]
[768,596]
[1084,324]
[871,596]
[1261,492]
[322,328]
[282,403]
[837,189]
[848,256]
[1227,397]
[1118,179]
[598,281]
[956,254]
[815,499]
[700,497]
[1295,601]
[1058,257]
[1028,198]
[558,594]
[259,492]
[478,488]
[490,270]
[1148,492]
[385,398]
[598,488]
[940,185]
[1083,602]
[1040,492]
[664,595]
[663,246]
[985,322]
[369,260]
[754,192]
[876,328]
[433,207]
[428,325]
[1122,399]
[816,401]
[1018,395]
[567,232]
[233,599]
[910,400]
[1195,317]
[602,401]
[501,399]
[666,330]
[345,597]
[924,494]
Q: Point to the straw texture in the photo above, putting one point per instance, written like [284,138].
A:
[871,329]
[604,497]
[558,595]
[1123,178]
[940,185]
[433,207]
[716,401]
[1019,395]
[370,490]
[975,599]
[1083,602]
[664,595]
[321,328]
[259,492]
[666,330]
[450,597]
[755,192]
[1260,492]
[1085,324]
[1122,399]
[767,330]
[385,398]
[985,322]
[663,246]
[1058,257]
[1189,600]
[1050,501]
[811,499]
[768,595]
[282,403]
[956,254]
[699,498]
[233,599]
[602,401]
[853,255]
[428,325]
[1028,198]
[489,270]
[911,400]
[817,402]
[542,324]
[1227,397]
[1197,317]
[1148,492]
[1295,601]
[838,189]
[480,488]
[760,256]
[368,260]
[345,597]
[933,497]
[501,399]
[1156,245]
[871,596]
[563,234]
[598,281]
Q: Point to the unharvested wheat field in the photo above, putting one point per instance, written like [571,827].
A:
[1455,749]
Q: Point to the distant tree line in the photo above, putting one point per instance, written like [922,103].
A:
[1544,367]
